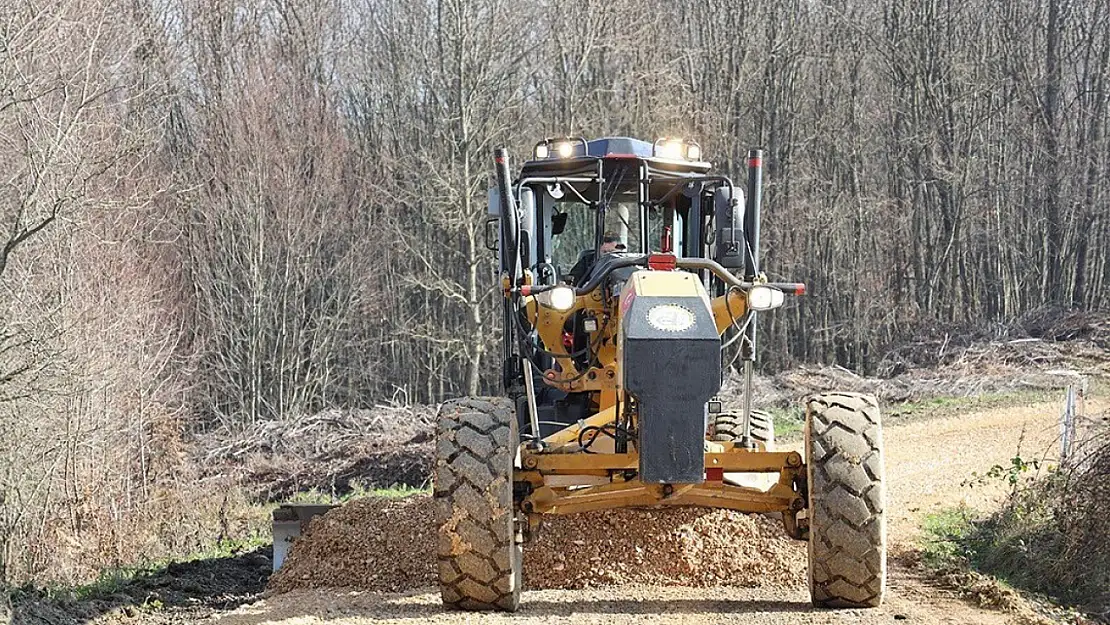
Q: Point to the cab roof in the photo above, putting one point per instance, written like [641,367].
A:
[613,147]
[607,146]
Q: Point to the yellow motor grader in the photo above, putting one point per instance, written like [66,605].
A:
[631,284]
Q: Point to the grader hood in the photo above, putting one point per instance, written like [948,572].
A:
[670,355]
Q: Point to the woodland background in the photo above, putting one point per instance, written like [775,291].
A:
[215,213]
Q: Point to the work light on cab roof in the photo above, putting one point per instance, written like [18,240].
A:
[677,149]
[569,147]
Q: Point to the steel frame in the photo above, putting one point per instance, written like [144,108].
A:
[568,483]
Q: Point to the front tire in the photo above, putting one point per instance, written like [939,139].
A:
[847,498]
[479,558]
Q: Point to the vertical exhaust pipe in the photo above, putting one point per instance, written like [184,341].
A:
[515,365]
[751,270]
[751,213]
[510,364]
[510,229]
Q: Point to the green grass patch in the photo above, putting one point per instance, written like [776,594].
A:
[950,406]
[400,491]
[789,422]
[109,582]
[949,538]
[961,537]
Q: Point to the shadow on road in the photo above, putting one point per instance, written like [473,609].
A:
[182,591]
[653,606]
[424,606]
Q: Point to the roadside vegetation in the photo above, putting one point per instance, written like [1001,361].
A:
[952,406]
[190,588]
[790,420]
[1051,536]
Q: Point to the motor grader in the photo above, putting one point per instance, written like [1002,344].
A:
[632,284]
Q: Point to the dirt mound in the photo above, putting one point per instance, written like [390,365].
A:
[375,544]
[389,545]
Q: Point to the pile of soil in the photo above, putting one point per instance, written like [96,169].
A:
[389,546]
[375,544]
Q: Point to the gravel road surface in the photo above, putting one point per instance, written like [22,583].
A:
[929,462]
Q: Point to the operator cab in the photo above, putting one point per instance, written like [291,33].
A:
[585,201]
[586,205]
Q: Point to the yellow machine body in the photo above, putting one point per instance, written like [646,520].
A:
[564,479]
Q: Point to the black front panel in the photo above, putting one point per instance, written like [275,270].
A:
[672,364]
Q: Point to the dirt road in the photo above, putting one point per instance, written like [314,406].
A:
[927,463]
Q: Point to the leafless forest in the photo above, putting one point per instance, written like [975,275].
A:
[219,212]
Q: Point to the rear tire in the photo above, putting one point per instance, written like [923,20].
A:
[479,559]
[847,498]
[730,427]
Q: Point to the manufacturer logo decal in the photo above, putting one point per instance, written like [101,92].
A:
[670,318]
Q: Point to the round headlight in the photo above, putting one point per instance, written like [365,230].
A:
[561,298]
[764,298]
[566,149]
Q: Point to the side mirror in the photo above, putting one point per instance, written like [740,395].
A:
[559,223]
[492,227]
[729,243]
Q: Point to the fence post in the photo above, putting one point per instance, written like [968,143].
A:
[1067,425]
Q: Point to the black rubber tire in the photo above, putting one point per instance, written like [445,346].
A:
[730,427]
[479,558]
[847,499]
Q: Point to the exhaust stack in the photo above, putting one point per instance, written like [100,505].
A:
[510,229]
[751,213]
[751,271]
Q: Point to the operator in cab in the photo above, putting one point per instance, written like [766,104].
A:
[610,244]
[614,242]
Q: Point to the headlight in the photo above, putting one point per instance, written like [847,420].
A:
[541,151]
[565,149]
[693,152]
[764,298]
[560,298]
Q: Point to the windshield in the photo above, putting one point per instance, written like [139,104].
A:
[577,236]
[622,229]
[621,232]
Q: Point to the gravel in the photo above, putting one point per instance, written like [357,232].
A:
[371,544]
[389,546]
[663,547]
